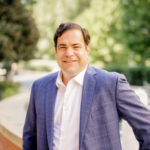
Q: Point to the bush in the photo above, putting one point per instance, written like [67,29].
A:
[147,75]
[8,88]
[135,75]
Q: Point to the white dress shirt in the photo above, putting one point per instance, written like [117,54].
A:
[67,113]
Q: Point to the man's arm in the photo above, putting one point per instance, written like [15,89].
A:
[131,109]
[29,131]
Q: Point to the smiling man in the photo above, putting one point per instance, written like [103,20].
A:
[72,53]
[79,107]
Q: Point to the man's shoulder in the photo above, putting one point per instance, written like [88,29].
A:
[106,78]
[47,79]
[104,73]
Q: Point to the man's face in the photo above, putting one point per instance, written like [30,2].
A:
[71,52]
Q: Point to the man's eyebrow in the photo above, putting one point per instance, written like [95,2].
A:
[76,44]
[61,44]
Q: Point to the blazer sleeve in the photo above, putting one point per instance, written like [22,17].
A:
[133,110]
[29,131]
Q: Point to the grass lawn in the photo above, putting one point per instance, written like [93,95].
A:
[8,88]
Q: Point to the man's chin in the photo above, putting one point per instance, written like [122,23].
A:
[70,72]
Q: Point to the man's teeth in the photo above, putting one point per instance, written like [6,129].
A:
[70,61]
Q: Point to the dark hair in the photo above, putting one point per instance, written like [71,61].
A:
[68,26]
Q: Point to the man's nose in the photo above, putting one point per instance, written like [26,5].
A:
[69,52]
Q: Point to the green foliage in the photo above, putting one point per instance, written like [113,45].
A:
[8,88]
[132,29]
[147,75]
[18,32]
[135,75]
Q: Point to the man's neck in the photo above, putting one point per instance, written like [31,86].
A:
[66,79]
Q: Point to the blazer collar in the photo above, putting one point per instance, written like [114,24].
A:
[87,98]
[51,92]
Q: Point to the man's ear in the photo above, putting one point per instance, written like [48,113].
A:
[88,48]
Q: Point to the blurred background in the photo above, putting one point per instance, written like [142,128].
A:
[120,41]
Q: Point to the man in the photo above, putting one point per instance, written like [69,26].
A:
[79,107]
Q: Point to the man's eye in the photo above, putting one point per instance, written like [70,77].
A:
[76,47]
[62,47]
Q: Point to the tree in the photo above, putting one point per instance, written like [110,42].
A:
[132,28]
[18,31]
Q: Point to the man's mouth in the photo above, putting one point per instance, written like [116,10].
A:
[69,61]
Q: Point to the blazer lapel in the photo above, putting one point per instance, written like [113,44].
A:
[87,97]
[50,105]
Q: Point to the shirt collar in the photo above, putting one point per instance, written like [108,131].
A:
[78,78]
[59,81]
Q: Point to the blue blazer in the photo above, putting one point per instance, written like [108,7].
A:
[106,97]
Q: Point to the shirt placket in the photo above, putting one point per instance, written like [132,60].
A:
[65,114]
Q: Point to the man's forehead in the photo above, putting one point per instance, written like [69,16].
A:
[72,35]
[75,32]
[72,30]
[73,43]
